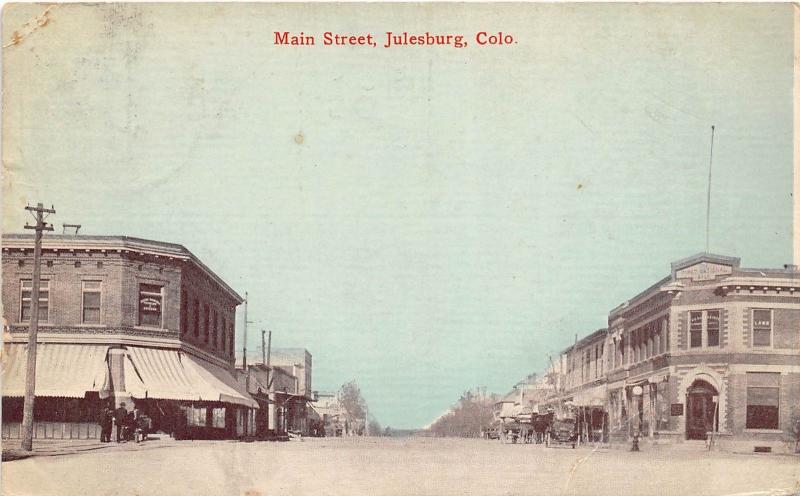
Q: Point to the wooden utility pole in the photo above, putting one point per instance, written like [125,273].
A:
[244,334]
[33,328]
[263,348]
[269,347]
[269,353]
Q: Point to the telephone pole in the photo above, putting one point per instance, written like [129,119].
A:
[269,353]
[263,348]
[244,346]
[270,389]
[33,328]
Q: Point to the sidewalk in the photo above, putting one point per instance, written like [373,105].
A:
[12,448]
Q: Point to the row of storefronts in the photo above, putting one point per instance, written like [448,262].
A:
[141,324]
[710,352]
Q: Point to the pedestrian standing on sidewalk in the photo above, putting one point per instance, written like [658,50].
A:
[120,418]
[106,419]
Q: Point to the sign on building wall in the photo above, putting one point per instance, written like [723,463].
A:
[704,271]
[676,409]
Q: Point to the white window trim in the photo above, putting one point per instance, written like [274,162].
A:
[771,329]
[704,329]
[163,305]
[83,293]
[42,282]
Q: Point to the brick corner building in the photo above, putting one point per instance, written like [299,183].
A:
[122,319]
[713,351]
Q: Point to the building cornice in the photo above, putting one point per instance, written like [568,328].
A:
[118,244]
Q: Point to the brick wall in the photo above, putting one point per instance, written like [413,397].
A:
[724,331]
[746,330]
[65,273]
[201,289]
[786,329]
[789,401]
[120,275]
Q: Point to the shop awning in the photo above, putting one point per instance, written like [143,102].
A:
[173,375]
[221,383]
[595,396]
[507,410]
[62,370]
[159,374]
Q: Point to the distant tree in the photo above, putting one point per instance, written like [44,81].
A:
[351,400]
[471,414]
[375,428]
[388,431]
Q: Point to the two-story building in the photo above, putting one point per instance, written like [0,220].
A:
[711,349]
[283,390]
[584,385]
[122,320]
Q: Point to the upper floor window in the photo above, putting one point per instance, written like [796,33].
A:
[712,328]
[150,303]
[695,329]
[184,311]
[231,339]
[599,359]
[206,317]
[706,322]
[91,292]
[762,327]
[215,335]
[26,289]
[224,334]
[196,318]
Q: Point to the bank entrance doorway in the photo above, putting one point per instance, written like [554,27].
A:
[702,410]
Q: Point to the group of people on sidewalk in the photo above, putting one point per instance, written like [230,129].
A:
[130,426]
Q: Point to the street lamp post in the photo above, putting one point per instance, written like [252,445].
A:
[637,394]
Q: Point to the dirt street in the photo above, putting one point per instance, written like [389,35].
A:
[378,466]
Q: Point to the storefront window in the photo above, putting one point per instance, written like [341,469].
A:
[662,407]
[196,416]
[218,418]
[763,395]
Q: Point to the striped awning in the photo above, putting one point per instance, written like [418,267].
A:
[174,375]
[223,384]
[62,370]
[159,374]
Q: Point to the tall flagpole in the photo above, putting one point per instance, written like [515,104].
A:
[708,197]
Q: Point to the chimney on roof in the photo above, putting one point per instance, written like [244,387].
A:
[790,266]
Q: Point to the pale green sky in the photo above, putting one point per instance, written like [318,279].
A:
[427,235]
